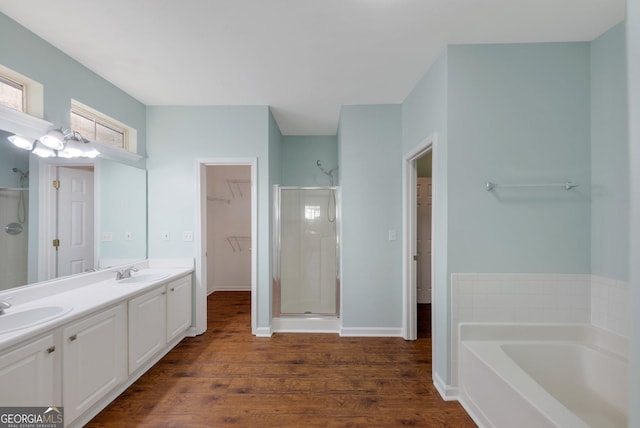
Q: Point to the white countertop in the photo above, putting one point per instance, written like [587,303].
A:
[86,298]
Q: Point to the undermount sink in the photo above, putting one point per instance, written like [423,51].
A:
[16,319]
[143,277]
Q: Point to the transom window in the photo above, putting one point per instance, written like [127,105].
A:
[12,93]
[96,126]
[21,93]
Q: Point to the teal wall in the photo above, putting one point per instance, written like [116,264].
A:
[64,79]
[11,157]
[519,114]
[299,156]
[275,177]
[509,114]
[177,137]
[609,156]
[424,113]
[370,183]
[122,208]
[633,73]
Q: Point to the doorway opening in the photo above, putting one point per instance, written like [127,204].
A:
[427,151]
[226,232]
[67,219]
[228,228]
[424,192]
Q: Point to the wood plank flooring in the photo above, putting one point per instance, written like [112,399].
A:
[227,377]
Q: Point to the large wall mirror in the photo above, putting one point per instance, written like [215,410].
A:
[98,214]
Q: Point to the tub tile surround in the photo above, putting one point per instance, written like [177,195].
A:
[539,299]
[610,307]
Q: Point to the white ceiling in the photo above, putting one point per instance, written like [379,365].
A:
[304,58]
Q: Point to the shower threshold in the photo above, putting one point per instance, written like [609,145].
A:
[306,323]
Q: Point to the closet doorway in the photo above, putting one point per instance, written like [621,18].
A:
[226,229]
[424,192]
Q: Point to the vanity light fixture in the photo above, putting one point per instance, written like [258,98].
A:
[56,143]
[53,139]
[21,142]
[43,151]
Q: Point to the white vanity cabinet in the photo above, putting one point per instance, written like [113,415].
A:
[28,374]
[156,318]
[147,331]
[178,307]
[94,359]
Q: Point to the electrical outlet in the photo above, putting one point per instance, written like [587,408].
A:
[107,236]
[392,235]
[127,236]
[187,236]
[166,236]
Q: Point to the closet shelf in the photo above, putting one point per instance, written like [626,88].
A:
[235,242]
[235,183]
[214,199]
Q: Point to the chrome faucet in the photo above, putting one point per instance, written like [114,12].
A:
[4,305]
[125,273]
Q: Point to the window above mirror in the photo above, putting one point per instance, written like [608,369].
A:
[20,92]
[97,126]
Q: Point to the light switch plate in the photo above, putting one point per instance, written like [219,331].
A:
[127,236]
[166,236]
[392,235]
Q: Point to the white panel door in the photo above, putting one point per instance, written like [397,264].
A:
[75,221]
[424,240]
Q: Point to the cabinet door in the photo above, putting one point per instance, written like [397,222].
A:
[178,307]
[147,327]
[27,374]
[94,359]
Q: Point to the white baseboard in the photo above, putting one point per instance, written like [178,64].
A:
[263,332]
[305,325]
[370,332]
[447,392]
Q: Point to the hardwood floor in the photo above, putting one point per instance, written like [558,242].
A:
[227,377]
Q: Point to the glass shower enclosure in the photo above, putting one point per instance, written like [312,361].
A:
[306,283]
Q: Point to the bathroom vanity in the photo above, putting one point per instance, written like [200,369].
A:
[81,341]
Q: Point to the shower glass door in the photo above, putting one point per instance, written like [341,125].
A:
[308,251]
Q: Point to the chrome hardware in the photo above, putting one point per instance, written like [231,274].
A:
[51,349]
[4,305]
[13,228]
[125,273]
[73,337]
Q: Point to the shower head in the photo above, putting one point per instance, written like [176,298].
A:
[22,173]
[324,171]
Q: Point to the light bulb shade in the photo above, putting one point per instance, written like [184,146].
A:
[43,151]
[54,139]
[72,149]
[21,142]
[90,151]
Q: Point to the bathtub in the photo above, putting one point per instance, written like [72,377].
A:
[543,375]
